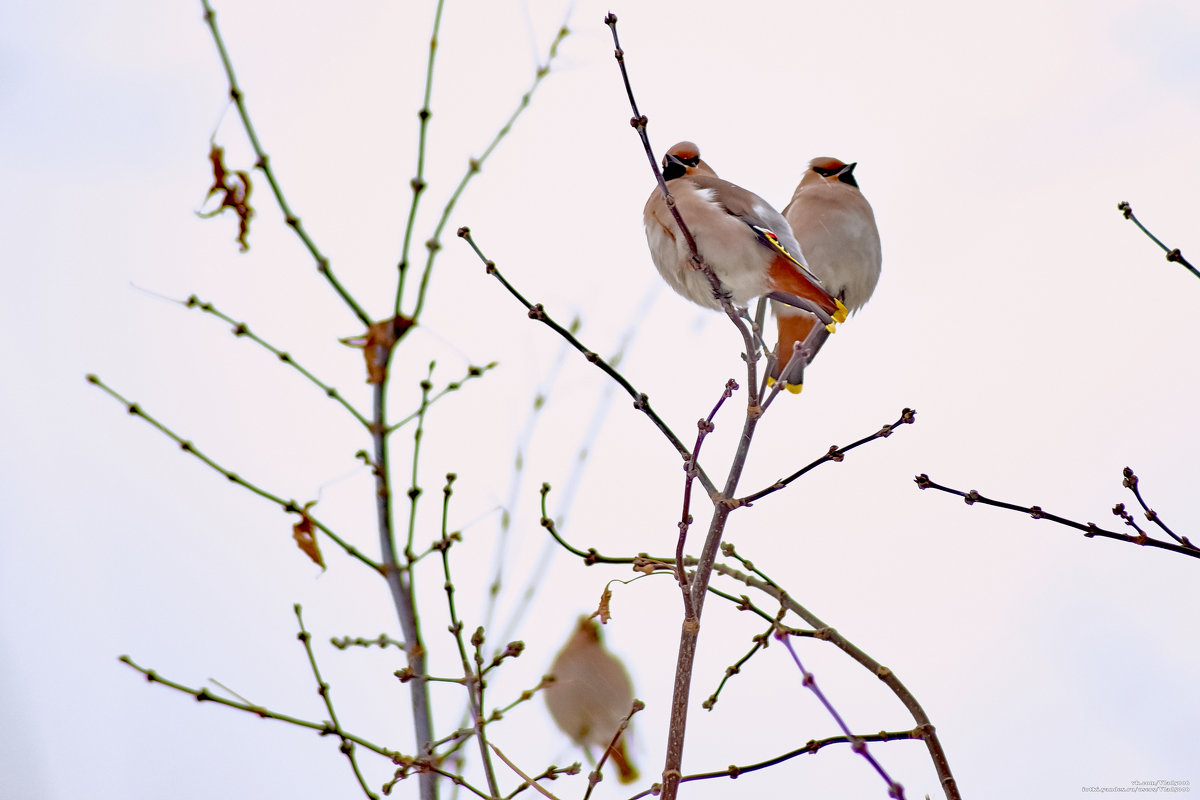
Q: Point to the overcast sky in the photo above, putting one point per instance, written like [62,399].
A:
[1043,340]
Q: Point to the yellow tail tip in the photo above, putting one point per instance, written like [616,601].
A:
[794,388]
[840,314]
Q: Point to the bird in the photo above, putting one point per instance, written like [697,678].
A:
[747,243]
[591,695]
[835,226]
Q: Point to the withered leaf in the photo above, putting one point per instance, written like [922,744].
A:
[306,538]
[603,611]
[235,190]
[377,344]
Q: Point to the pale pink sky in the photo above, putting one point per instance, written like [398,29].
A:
[1043,340]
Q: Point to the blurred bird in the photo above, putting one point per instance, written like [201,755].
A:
[836,229]
[591,695]
[748,244]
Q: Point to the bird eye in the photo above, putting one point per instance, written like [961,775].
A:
[825,172]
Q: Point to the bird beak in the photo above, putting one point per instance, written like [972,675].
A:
[846,174]
[673,168]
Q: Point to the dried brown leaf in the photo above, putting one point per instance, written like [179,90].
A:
[377,344]
[306,538]
[235,193]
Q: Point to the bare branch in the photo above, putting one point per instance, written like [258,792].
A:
[203,695]
[241,329]
[1089,529]
[907,417]
[289,506]
[263,163]
[812,747]
[895,790]
[472,678]
[433,245]
[825,632]
[640,400]
[347,746]
[705,427]
[1173,254]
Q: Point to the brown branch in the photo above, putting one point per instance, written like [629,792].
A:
[1089,529]
[907,417]
[826,633]
[640,400]
[1131,483]
[812,747]
[690,628]
[705,427]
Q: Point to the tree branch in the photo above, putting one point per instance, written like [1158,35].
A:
[264,164]
[1089,529]
[1173,254]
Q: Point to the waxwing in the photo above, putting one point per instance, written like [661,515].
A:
[748,244]
[591,695]
[836,229]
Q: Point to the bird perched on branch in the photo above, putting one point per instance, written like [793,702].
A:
[746,242]
[591,695]
[835,227]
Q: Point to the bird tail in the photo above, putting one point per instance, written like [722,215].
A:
[627,772]
[794,329]
[783,276]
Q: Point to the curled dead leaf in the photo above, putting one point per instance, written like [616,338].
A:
[235,190]
[305,536]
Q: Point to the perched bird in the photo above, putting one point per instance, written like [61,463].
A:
[748,244]
[836,229]
[591,695]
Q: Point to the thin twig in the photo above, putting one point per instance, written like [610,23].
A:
[289,506]
[414,490]
[812,747]
[240,329]
[925,728]
[551,773]
[472,373]
[1131,482]
[595,776]
[907,417]
[472,678]
[760,643]
[895,790]
[591,555]
[382,641]
[705,427]
[640,400]
[418,183]
[722,295]
[528,780]
[347,746]
[264,164]
[1089,529]
[203,695]
[475,164]
[1173,254]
